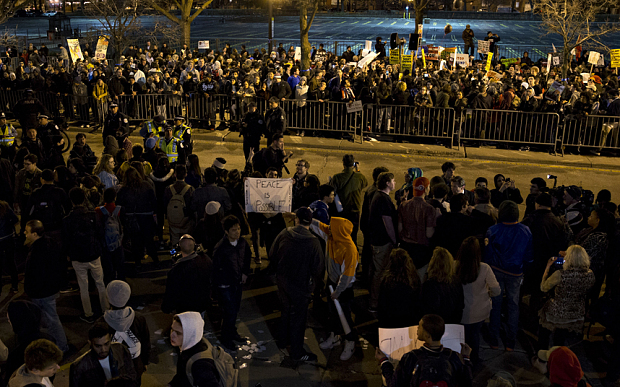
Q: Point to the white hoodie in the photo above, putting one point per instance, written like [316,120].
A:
[193,326]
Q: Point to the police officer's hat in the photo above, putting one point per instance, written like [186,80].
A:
[159,118]
[2,115]
[179,118]
[113,105]
[43,116]
[167,127]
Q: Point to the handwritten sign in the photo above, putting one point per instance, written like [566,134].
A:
[354,107]
[483,46]
[615,57]
[297,54]
[394,56]
[407,63]
[268,195]
[102,48]
[489,58]
[203,44]
[593,57]
[396,342]
[462,60]
[367,59]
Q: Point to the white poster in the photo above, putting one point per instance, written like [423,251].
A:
[483,46]
[585,77]
[462,60]
[268,195]
[548,63]
[593,57]
[367,59]
[368,45]
[297,54]
[398,341]
[203,44]
[354,107]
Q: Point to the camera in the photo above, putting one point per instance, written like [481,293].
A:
[508,180]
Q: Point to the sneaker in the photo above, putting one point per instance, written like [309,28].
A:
[89,319]
[540,365]
[349,349]
[308,356]
[88,126]
[68,289]
[330,342]
[303,133]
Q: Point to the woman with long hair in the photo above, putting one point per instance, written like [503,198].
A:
[399,294]
[138,199]
[565,312]
[479,285]
[442,293]
[194,172]
[104,170]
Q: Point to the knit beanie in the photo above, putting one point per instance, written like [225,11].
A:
[118,293]
[508,212]
[150,143]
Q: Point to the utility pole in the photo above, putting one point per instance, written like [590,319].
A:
[271,22]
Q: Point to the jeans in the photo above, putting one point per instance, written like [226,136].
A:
[51,321]
[472,338]
[230,302]
[113,263]
[293,322]
[380,258]
[467,47]
[144,239]
[345,299]
[96,271]
[510,286]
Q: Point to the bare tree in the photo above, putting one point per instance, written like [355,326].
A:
[164,32]
[119,20]
[420,7]
[574,20]
[305,23]
[7,7]
[186,18]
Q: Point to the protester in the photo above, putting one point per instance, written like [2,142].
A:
[41,362]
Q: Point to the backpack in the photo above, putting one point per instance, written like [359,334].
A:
[433,370]
[224,363]
[176,207]
[47,212]
[112,230]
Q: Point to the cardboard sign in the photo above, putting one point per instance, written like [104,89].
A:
[615,57]
[203,44]
[75,50]
[489,58]
[368,45]
[102,48]
[394,56]
[268,195]
[483,46]
[407,63]
[297,54]
[462,60]
[396,342]
[593,57]
[354,107]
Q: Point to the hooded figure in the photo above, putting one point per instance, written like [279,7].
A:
[110,146]
[342,258]
[130,329]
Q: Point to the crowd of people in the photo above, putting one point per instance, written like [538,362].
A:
[435,251]
[210,87]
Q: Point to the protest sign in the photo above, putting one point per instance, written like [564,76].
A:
[442,64]
[407,63]
[601,61]
[483,46]
[556,60]
[549,63]
[585,77]
[102,48]
[554,49]
[394,56]
[462,60]
[396,342]
[354,107]
[447,52]
[555,91]
[367,59]
[434,53]
[203,44]
[489,58]
[420,29]
[494,75]
[268,195]
[297,54]
[423,58]
[593,57]
[508,62]
[365,52]
[615,57]
[368,45]
[74,49]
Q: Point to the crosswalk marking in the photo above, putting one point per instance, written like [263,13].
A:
[380,23]
[393,23]
[367,22]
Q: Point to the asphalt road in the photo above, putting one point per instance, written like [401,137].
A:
[259,314]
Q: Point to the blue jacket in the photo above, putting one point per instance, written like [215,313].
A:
[509,248]
[321,211]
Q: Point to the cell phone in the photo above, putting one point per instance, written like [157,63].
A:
[425,75]
[356,163]
[508,180]
[559,261]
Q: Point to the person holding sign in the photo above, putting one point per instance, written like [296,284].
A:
[430,365]
[492,39]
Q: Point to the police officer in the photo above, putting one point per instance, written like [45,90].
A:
[116,124]
[27,110]
[252,129]
[7,138]
[50,136]
[153,128]
[275,119]
[171,146]
[184,133]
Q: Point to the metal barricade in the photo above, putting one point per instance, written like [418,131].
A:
[508,126]
[320,116]
[405,120]
[214,110]
[592,131]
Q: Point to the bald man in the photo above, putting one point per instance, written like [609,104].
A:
[188,287]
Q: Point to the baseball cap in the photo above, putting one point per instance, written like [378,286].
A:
[419,186]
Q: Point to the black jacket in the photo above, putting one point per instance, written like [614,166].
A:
[203,371]
[87,371]
[44,268]
[275,121]
[296,257]
[230,262]
[452,229]
[281,90]
[188,287]
[446,300]
[56,199]
[81,234]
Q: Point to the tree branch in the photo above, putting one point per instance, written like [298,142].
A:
[202,8]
